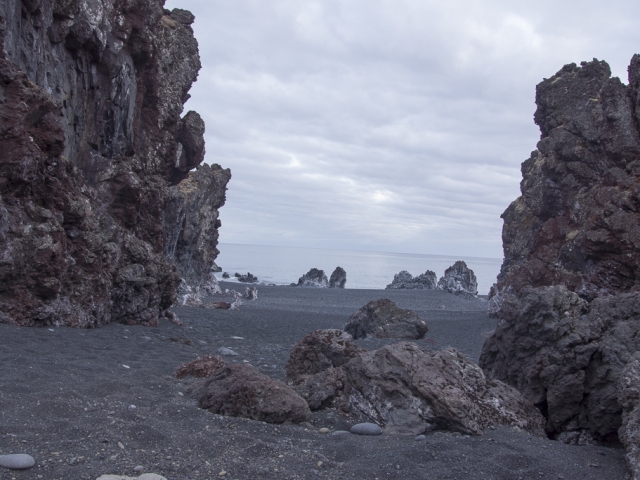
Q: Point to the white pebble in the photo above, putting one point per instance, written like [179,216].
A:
[17,461]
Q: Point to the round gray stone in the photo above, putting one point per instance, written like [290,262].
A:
[419,438]
[366,429]
[17,461]
[226,351]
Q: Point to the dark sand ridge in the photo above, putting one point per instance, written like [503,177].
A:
[66,397]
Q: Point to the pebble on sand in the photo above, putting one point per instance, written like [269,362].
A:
[17,461]
[323,430]
[366,429]
[226,351]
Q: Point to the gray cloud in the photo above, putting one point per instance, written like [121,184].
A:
[384,125]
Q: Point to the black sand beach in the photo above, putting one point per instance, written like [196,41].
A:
[85,403]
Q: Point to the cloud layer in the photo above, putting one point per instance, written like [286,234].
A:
[384,125]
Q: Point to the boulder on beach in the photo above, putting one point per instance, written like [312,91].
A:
[314,278]
[338,278]
[404,280]
[459,280]
[384,319]
[239,390]
[403,388]
[248,278]
[201,367]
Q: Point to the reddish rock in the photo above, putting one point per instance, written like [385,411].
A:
[242,391]
[92,138]
[202,367]
[384,319]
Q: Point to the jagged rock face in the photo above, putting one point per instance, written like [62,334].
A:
[567,295]
[629,399]
[191,220]
[565,355]
[384,319]
[424,281]
[577,221]
[91,96]
[338,278]
[314,278]
[403,388]
[459,280]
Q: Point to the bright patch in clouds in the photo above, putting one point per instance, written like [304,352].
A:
[384,125]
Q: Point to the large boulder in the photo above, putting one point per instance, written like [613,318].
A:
[314,278]
[567,298]
[629,399]
[403,388]
[384,319]
[241,391]
[459,280]
[404,280]
[338,278]
[93,136]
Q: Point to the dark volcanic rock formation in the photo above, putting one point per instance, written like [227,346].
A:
[248,278]
[403,388]
[338,278]
[91,134]
[242,391]
[384,319]
[629,399]
[313,278]
[191,221]
[459,280]
[567,296]
[404,279]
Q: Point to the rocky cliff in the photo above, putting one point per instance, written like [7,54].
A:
[568,294]
[91,138]
[191,221]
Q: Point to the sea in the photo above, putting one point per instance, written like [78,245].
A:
[365,270]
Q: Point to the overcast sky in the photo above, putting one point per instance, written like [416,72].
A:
[385,125]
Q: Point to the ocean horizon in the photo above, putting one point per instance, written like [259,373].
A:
[365,270]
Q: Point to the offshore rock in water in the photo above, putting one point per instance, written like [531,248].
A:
[248,278]
[314,278]
[405,280]
[93,137]
[566,299]
[338,278]
[459,280]
[384,319]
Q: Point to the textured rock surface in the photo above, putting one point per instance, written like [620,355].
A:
[565,355]
[403,388]
[459,280]
[404,279]
[191,221]
[314,278]
[242,391]
[384,319]
[92,137]
[567,295]
[629,399]
[202,367]
[248,278]
[338,278]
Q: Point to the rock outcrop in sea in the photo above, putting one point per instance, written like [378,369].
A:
[92,137]
[567,297]
[403,388]
[313,278]
[405,280]
[384,319]
[338,278]
[459,280]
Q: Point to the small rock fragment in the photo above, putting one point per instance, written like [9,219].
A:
[226,351]
[323,430]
